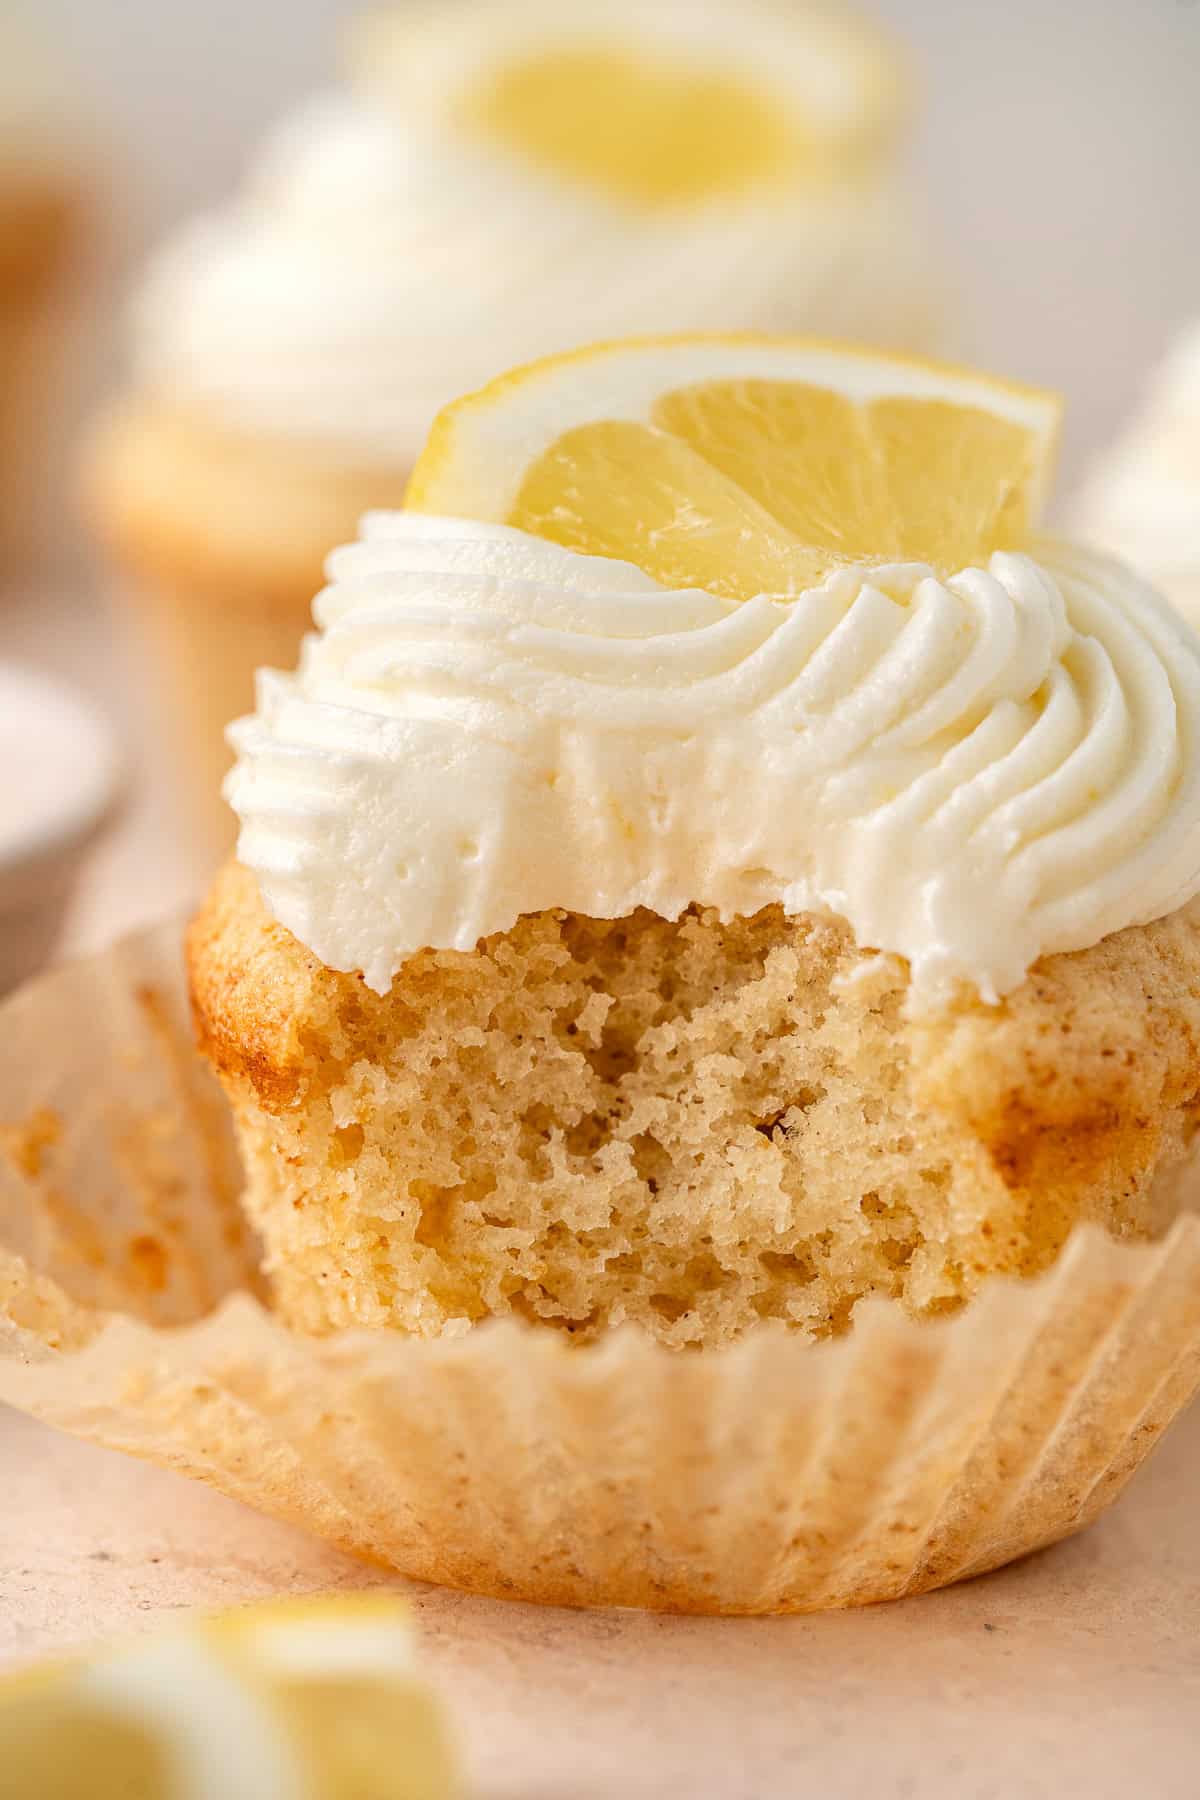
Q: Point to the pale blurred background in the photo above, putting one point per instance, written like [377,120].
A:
[1057,150]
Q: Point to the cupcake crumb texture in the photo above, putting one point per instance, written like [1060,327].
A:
[689,1125]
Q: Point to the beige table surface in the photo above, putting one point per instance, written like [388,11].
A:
[1077,1673]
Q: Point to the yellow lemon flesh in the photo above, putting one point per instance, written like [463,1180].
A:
[295,1700]
[636,127]
[747,466]
[652,107]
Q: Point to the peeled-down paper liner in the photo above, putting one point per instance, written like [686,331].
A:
[774,1476]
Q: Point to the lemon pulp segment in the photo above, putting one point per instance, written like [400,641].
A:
[749,487]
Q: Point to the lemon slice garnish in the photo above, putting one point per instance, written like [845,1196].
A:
[747,466]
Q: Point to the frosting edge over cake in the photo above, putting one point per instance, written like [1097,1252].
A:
[973,772]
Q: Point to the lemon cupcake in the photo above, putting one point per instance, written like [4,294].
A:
[1143,500]
[488,184]
[43,209]
[715,883]
[711,866]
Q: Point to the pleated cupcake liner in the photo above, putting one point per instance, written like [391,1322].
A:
[773,1476]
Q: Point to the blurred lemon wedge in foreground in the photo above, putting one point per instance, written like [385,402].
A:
[294,1700]
[747,465]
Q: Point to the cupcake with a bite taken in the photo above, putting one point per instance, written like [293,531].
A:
[687,884]
[708,999]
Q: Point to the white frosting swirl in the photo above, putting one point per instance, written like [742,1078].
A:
[973,772]
[376,266]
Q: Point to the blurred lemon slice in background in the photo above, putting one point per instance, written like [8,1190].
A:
[640,128]
[294,1700]
[745,465]
[667,105]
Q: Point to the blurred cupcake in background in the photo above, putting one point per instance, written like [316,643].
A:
[487,185]
[44,207]
[1143,499]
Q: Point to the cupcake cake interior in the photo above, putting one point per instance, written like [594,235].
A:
[690,1125]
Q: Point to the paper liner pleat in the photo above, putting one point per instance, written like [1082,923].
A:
[777,1475]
